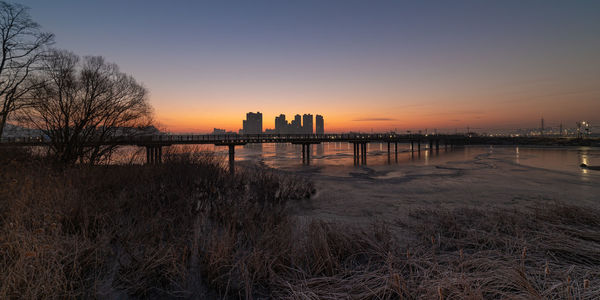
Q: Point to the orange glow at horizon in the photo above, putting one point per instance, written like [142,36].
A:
[475,101]
[397,118]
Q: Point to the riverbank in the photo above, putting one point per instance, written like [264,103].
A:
[187,228]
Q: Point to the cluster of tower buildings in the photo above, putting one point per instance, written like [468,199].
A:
[299,125]
[252,124]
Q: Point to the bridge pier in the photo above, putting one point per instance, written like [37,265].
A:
[430,145]
[306,154]
[305,151]
[389,154]
[396,150]
[153,154]
[231,159]
[360,152]
[231,146]
[419,146]
[364,153]
[355,148]
[437,145]
[412,146]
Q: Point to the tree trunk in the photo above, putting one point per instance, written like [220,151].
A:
[2,123]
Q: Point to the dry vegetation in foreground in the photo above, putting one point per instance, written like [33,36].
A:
[187,229]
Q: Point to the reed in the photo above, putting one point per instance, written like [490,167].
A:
[188,229]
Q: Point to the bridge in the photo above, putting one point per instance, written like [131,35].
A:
[155,143]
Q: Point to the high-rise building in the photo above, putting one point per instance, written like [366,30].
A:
[253,123]
[296,125]
[307,124]
[281,124]
[319,125]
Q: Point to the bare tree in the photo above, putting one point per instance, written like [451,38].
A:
[22,47]
[85,106]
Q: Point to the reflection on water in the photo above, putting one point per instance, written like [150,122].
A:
[338,155]
[559,159]
[584,160]
[341,154]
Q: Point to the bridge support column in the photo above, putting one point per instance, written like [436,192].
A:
[412,146]
[148,155]
[153,154]
[389,153]
[306,152]
[231,147]
[360,152]
[419,146]
[364,153]
[430,145]
[355,157]
[231,159]
[437,145]
[396,150]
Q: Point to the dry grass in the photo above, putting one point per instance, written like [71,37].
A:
[188,229]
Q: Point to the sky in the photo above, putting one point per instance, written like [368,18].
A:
[363,65]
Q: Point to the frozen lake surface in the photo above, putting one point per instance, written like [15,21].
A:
[473,176]
[477,176]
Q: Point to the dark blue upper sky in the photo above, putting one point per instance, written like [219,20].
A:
[446,63]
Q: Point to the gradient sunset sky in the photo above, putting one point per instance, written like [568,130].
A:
[364,65]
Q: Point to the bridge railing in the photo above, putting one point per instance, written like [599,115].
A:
[252,138]
[282,137]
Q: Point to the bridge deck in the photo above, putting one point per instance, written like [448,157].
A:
[167,140]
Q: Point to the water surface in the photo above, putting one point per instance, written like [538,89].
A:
[490,176]
[386,187]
